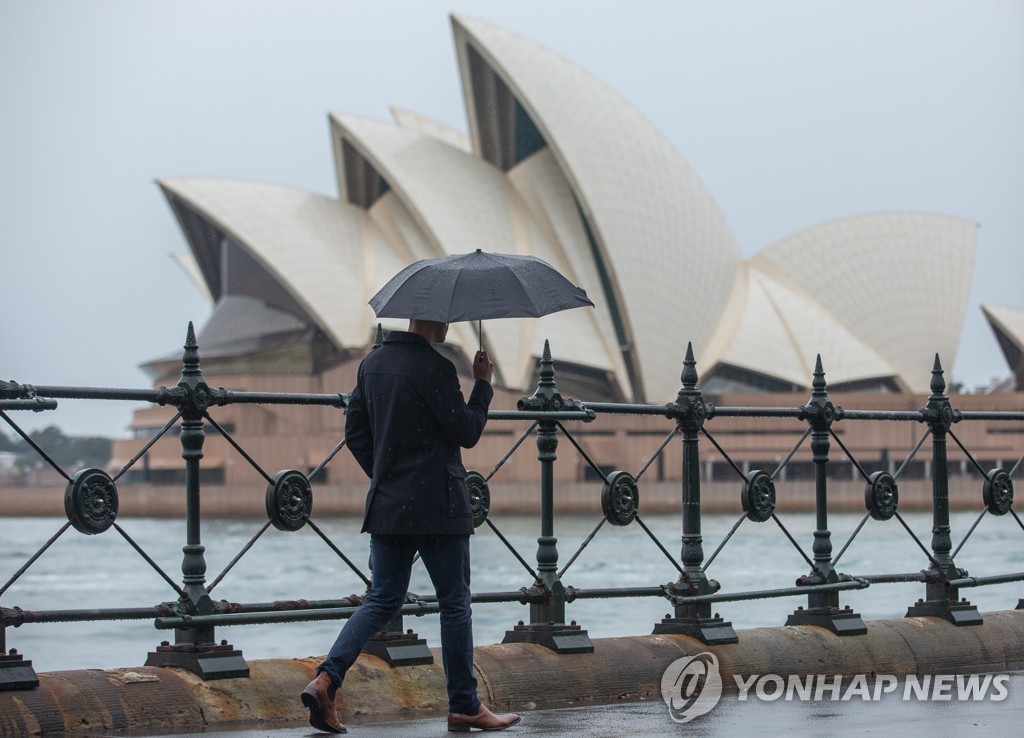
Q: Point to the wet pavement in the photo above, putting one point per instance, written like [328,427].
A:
[888,716]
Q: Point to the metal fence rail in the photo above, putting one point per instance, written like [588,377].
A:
[91,504]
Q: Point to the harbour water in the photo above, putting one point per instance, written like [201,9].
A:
[103,571]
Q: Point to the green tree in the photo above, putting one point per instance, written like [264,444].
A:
[69,452]
[6,444]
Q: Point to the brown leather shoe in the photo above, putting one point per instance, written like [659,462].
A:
[483,720]
[318,696]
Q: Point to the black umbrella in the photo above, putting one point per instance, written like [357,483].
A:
[477,286]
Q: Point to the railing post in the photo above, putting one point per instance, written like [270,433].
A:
[823,607]
[194,648]
[940,599]
[396,645]
[547,625]
[15,672]
[690,411]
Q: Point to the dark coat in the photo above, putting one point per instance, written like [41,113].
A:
[405,424]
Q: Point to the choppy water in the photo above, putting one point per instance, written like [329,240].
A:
[104,571]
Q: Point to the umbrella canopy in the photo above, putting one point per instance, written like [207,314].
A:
[477,286]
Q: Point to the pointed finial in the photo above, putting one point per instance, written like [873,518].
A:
[689,375]
[546,396]
[689,409]
[378,339]
[547,367]
[818,386]
[190,357]
[938,385]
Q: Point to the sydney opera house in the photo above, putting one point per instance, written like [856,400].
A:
[558,165]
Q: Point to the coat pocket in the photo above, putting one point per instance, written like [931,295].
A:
[458,492]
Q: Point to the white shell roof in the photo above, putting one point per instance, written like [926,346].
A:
[294,235]
[783,330]
[462,203]
[1008,321]
[187,263]
[430,127]
[898,282]
[672,257]
[543,188]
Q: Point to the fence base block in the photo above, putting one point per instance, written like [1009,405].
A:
[841,621]
[399,649]
[958,613]
[710,631]
[16,673]
[222,663]
[559,637]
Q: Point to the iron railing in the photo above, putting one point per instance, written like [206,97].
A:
[91,504]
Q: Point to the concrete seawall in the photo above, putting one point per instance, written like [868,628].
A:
[517,676]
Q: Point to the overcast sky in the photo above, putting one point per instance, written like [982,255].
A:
[791,113]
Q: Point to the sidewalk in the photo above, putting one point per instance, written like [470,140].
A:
[889,716]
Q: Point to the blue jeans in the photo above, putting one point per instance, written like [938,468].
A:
[447,560]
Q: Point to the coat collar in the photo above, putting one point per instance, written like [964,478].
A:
[406,337]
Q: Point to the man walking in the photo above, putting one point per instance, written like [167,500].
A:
[406,423]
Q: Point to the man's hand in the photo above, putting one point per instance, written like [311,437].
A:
[482,367]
